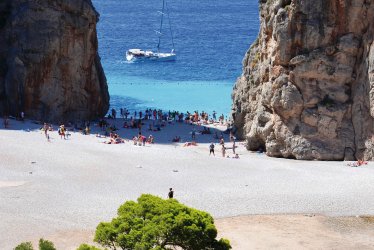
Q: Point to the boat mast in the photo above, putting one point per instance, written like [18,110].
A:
[162,19]
[171,32]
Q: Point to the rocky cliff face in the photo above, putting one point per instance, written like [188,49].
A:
[49,65]
[307,88]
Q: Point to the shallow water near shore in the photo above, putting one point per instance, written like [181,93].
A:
[211,38]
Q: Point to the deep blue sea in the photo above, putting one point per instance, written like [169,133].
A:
[210,36]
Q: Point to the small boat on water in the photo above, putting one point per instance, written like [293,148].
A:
[148,55]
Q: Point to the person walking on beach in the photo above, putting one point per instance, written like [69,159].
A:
[126,113]
[171,193]
[211,149]
[223,149]
[6,122]
[46,129]
[61,131]
[114,113]
[222,141]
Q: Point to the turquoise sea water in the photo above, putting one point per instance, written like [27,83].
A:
[211,38]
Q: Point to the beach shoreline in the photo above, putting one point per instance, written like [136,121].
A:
[68,186]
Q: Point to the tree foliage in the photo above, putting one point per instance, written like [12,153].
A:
[155,223]
[43,245]
[87,247]
[46,245]
[24,246]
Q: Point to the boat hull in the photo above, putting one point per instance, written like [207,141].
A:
[159,57]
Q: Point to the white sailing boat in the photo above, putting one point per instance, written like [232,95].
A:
[148,55]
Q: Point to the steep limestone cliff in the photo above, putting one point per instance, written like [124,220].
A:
[49,64]
[307,88]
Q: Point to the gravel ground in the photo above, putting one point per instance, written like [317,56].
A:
[47,187]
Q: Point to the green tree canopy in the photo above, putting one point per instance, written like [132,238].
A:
[46,245]
[155,223]
[43,245]
[24,246]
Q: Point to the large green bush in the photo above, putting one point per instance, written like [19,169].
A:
[43,245]
[155,223]
[46,245]
[24,246]
[152,223]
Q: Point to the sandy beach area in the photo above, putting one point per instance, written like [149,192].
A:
[62,189]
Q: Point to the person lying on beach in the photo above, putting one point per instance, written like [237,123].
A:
[115,140]
[358,163]
[151,139]
[100,136]
[187,144]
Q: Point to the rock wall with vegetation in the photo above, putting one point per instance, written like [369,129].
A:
[307,88]
[49,63]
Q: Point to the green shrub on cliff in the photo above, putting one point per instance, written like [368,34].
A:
[155,223]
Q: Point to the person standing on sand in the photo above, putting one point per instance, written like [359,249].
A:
[171,193]
[46,129]
[6,121]
[62,131]
[222,141]
[233,146]
[211,149]
[223,150]
[114,113]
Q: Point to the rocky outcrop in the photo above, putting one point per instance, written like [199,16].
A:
[307,88]
[49,63]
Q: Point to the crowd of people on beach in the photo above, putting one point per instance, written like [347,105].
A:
[157,120]
[149,121]
[224,148]
[154,119]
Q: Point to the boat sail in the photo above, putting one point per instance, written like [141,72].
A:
[148,55]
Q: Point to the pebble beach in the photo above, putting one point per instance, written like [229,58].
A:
[64,188]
